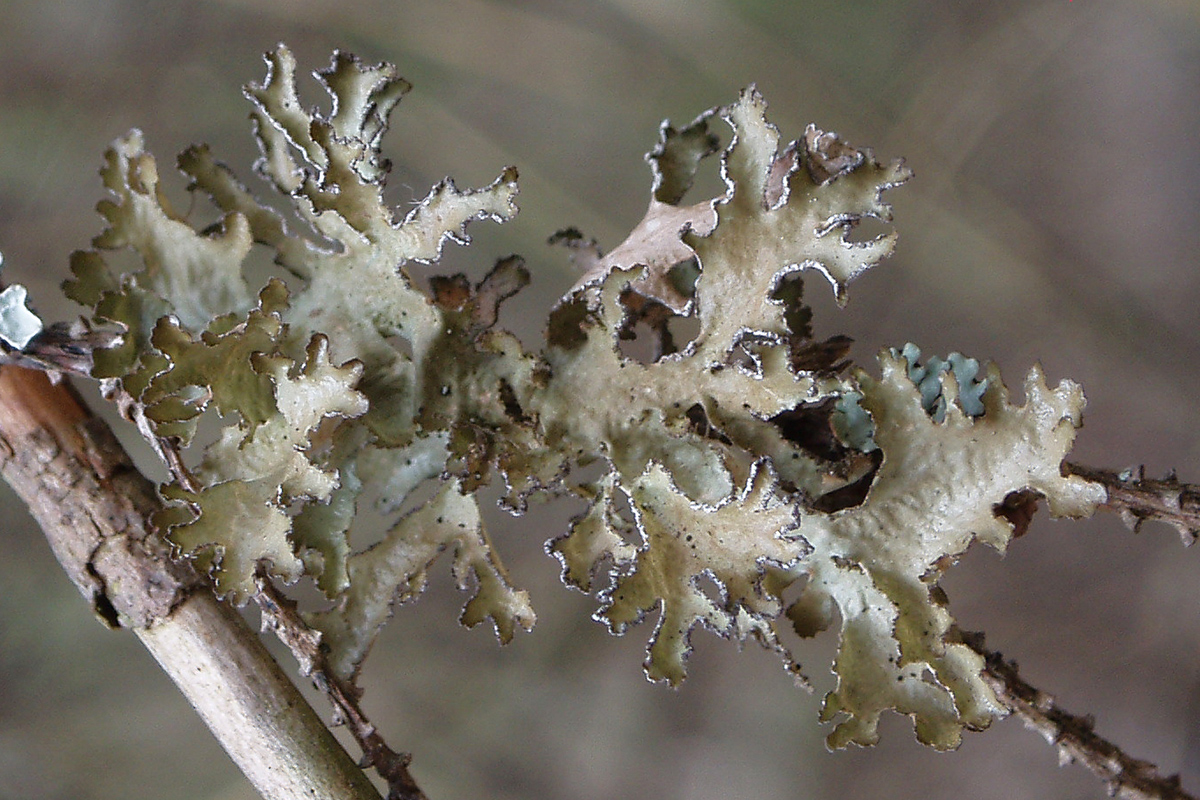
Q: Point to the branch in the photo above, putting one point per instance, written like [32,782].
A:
[1137,498]
[94,507]
[1073,735]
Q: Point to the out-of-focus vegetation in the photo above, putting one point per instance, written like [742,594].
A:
[1053,217]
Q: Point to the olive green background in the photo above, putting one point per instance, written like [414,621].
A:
[1053,217]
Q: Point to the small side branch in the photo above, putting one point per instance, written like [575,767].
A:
[1073,735]
[281,616]
[1138,499]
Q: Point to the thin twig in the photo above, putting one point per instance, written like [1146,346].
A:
[1138,499]
[1073,735]
[281,616]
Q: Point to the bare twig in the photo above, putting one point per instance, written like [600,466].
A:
[1073,735]
[1137,498]
[94,508]
[281,616]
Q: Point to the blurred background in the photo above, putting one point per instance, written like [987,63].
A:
[1054,217]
